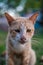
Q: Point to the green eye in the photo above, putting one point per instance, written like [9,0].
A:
[17,30]
[28,30]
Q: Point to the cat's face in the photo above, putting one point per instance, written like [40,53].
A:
[21,29]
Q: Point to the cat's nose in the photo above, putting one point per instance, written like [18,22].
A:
[23,39]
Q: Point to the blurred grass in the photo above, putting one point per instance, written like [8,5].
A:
[37,44]
[2,41]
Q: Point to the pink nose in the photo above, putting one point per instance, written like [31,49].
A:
[23,39]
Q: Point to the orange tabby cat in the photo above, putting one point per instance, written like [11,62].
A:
[18,44]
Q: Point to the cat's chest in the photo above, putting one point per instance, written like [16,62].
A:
[18,59]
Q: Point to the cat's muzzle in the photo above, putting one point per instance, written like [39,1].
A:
[23,40]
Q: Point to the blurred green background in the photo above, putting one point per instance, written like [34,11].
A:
[23,8]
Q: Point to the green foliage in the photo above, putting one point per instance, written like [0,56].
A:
[38,46]
[2,41]
[1,0]
[33,4]
[13,3]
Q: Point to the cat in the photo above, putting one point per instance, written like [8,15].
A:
[18,42]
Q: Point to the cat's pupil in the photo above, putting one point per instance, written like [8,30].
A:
[17,30]
[28,30]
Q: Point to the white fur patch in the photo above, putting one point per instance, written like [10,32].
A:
[18,47]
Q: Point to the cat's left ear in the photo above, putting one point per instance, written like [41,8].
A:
[33,17]
[9,18]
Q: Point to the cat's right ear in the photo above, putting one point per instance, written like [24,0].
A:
[9,18]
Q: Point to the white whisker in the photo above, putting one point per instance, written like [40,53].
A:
[36,42]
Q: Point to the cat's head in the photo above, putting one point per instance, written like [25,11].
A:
[21,29]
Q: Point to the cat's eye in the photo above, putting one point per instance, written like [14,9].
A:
[17,30]
[28,30]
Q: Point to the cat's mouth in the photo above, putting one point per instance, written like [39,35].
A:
[22,42]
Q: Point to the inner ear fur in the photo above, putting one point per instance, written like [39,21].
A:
[9,18]
[33,17]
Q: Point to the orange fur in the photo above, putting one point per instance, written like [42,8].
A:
[19,37]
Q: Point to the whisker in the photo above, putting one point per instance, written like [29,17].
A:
[37,38]
[33,40]
[36,41]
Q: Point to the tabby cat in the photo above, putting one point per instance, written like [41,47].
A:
[18,43]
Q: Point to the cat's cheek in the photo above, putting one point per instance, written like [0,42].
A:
[13,34]
[29,35]
[32,34]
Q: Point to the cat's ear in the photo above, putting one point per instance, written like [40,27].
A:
[9,18]
[33,17]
